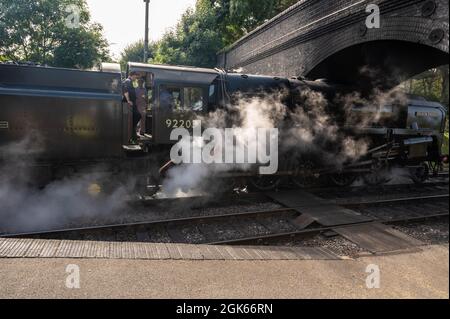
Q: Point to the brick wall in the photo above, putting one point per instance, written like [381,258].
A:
[297,40]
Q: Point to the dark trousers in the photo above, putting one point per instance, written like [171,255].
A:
[136,118]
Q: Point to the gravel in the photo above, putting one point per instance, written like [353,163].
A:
[430,232]
[404,209]
[162,211]
[338,245]
[382,193]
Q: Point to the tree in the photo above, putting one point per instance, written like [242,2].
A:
[444,74]
[134,52]
[54,32]
[238,17]
[432,84]
[214,24]
[194,41]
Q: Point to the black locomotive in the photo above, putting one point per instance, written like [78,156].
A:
[76,120]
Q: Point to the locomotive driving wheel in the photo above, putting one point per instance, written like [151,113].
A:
[420,174]
[379,175]
[343,179]
[304,176]
[265,182]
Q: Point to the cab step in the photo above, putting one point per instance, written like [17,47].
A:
[132,148]
[145,137]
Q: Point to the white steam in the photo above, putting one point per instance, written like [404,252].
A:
[24,207]
[315,133]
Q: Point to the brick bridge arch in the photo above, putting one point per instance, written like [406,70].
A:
[329,39]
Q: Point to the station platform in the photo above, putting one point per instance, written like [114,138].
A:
[420,274]
[40,248]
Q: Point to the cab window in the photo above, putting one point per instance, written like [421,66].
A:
[181,98]
[193,99]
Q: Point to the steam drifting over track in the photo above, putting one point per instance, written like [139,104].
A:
[269,223]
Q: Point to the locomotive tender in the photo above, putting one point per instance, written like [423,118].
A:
[80,122]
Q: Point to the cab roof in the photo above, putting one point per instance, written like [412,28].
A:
[176,74]
[136,66]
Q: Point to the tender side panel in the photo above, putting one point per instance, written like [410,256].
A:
[72,124]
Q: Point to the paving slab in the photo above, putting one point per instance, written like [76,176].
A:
[423,274]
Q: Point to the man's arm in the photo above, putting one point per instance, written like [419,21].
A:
[127,97]
[126,92]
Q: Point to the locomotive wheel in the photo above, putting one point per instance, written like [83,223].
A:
[377,177]
[343,179]
[420,174]
[265,182]
[304,177]
[305,181]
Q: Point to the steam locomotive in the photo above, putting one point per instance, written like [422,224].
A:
[76,121]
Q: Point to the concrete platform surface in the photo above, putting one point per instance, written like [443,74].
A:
[422,274]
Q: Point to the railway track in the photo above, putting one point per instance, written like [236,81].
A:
[395,189]
[251,226]
[430,187]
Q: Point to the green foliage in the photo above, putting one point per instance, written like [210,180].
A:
[432,84]
[213,25]
[37,31]
[246,15]
[195,40]
[445,144]
[135,53]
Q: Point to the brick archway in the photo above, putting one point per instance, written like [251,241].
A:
[329,39]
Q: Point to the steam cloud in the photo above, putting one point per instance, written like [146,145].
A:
[315,133]
[246,115]
[27,208]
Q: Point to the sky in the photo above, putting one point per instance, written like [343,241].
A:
[124,20]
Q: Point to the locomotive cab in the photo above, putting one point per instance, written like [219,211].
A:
[176,96]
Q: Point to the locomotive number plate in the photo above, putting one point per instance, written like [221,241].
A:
[178,123]
[4,125]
